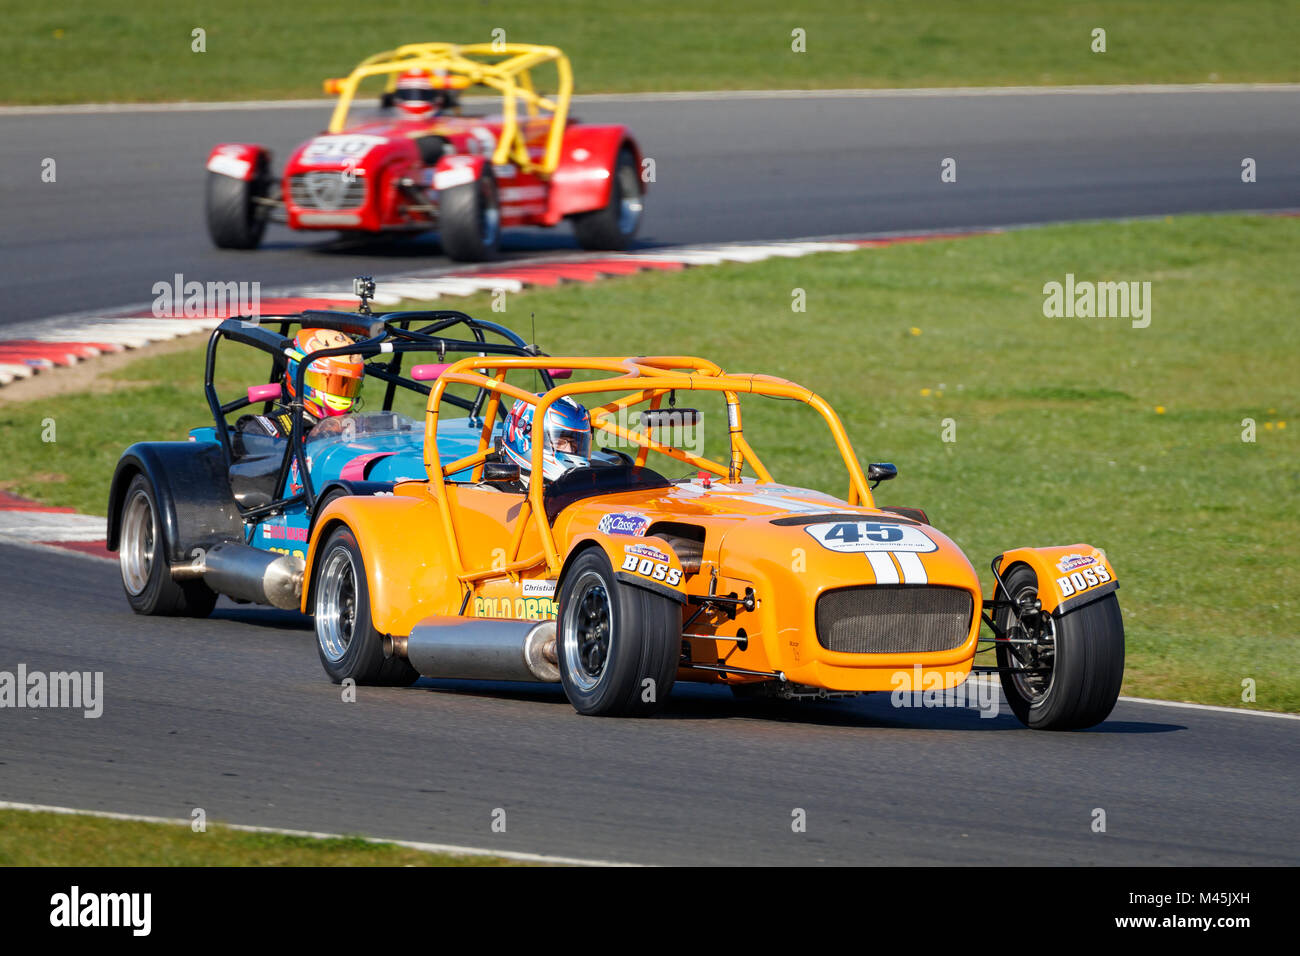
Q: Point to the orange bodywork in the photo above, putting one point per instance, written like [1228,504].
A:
[437,548]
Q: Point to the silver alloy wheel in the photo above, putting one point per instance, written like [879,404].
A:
[336,604]
[588,630]
[135,554]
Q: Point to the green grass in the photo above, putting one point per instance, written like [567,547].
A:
[1058,435]
[88,50]
[30,838]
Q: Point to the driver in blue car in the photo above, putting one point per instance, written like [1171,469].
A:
[566,439]
[331,386]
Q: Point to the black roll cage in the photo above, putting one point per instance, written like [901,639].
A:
[380,334]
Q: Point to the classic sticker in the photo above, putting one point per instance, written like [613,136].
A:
[859,537]
[623,524]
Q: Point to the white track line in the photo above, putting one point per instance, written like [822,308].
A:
[1242,711]
[702,95]
[448,848]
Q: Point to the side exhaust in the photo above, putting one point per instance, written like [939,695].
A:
[480,648]
[247,574]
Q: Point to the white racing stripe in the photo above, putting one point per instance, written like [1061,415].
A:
[913,569]
[882,567]
[448,848]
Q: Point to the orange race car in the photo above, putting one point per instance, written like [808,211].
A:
[556,559]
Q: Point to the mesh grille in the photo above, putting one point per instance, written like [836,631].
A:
[893,620]
[327,191]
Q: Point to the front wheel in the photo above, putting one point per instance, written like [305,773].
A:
[236,218]
[614,225]
[618,645]
[469,220]
[1060,673]
[346,640]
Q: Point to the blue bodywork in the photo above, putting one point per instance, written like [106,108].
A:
[373,447]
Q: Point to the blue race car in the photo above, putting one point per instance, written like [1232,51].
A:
[229,511]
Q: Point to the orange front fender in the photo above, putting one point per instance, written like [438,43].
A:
[403,548]
[1068,575]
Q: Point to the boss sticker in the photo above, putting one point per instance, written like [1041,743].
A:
[1083,580]
[650,568]
[861,537]
[623,524]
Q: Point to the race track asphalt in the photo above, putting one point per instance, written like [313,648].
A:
[126,210]
[235,715]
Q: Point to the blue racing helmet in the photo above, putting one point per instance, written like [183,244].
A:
[566,438]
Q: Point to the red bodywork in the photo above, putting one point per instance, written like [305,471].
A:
[373,177]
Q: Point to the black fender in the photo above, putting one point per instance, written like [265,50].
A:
[195,505]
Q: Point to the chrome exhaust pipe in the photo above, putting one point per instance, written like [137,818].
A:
[247,574]
[484,648]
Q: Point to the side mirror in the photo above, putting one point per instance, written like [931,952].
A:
[879,471]
[500,472]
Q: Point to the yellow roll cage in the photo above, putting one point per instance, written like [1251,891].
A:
[643,379]
[504,67]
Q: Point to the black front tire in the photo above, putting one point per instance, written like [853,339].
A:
[346,639]
[144,565]
[1084,661]
[618,645]
[235,219]
[615,225]
[469,220]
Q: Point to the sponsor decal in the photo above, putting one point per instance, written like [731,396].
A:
[519,609]
[1072,562]
[623,524]
[537,587]
[648,567]
[864,537]
[645,551]
[1084,580]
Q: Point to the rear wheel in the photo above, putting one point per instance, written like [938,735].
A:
[346,640]
[142,559]
[235,219]
[1060,673]
[618,645]
[614,226]
[469,220]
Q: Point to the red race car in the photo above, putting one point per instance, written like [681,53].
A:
[419,162]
